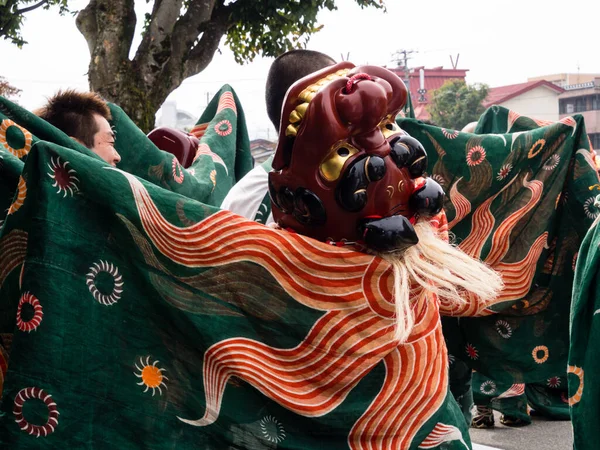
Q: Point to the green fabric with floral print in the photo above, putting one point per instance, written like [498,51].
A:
[584,360]
[537,175]
[122,331]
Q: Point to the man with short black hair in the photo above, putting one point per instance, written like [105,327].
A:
[249,197]
[84,117]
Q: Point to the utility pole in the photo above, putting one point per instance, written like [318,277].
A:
[401,58]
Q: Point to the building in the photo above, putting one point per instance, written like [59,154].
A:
[535,98]
[175,118]
[432,79]
[261,149]
[567,79]
[584,98]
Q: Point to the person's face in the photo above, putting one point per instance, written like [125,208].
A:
[104,142]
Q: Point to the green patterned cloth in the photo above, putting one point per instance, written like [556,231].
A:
[518,196]
[138,315]
[584,363]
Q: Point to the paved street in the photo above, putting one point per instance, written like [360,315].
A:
[542,434]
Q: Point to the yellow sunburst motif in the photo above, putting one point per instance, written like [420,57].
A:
[151,376]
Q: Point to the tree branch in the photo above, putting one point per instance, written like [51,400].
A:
[202,54]
[30,8]
[87,26]
[155,46]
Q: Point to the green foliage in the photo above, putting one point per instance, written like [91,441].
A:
[271,27]
[456,104]
[12,15]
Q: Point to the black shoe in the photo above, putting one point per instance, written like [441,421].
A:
[483,418]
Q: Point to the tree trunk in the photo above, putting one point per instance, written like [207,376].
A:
[169,51]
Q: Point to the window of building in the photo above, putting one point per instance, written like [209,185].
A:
[596,102]
[580,104]
[566,106]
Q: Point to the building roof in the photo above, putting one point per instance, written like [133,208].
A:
[434,78]
[498,95]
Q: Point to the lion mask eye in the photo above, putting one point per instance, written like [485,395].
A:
[331,167]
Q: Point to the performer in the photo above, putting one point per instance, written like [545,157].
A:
[84,117]
[345,174]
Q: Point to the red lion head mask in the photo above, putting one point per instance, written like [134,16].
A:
[343,170]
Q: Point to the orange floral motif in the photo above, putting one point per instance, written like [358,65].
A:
[536,148]
[20,199]
[578,372]
[540,359]
[18,152]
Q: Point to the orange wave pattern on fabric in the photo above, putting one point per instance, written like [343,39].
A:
[514,391]
[442,433]
[13,248]
[415,385]
[462,206]
[355,333]
[226,101]
[517,276]
[199,130]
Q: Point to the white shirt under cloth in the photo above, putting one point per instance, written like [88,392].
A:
[249,197]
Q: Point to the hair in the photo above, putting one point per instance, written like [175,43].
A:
[73,113]
[438,268]
[285,71]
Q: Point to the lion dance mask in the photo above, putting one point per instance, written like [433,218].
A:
[343,171]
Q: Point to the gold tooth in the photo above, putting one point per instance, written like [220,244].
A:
[295,117]
[301,109]
[306,96]
[291,130]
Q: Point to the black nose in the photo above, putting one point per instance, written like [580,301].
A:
[408,152]
[394,233]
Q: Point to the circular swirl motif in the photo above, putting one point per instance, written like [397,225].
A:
[223,128]
[544,354]
[38,430]
[488,387]
[590,208]
[450,134]
[504,329]
[31,324]
[115,295]
[475,156]
[551,163]
[271,429]
[20,197]
[178,174]
[536,148]
[18,152]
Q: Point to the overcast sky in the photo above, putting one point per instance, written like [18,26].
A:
[500,42]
